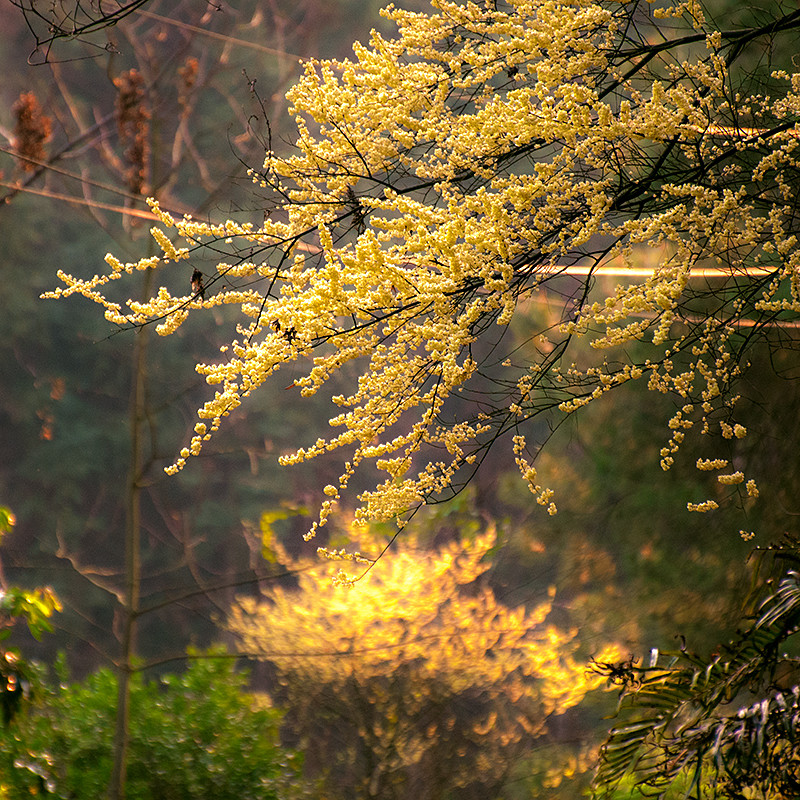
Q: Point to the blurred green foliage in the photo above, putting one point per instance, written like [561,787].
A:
[194,735]
[33,608]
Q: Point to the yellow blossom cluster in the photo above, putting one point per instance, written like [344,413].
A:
[528,471]
[706,505]
[487,154]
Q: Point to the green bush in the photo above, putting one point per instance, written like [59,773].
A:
[195,735]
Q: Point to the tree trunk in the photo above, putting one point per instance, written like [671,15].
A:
[133,565]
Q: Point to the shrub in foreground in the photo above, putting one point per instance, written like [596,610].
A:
[194,735]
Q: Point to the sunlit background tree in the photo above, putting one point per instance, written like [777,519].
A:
[416,682]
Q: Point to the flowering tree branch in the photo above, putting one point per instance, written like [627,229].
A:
[445,181]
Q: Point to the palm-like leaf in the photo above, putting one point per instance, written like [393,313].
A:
[719,727]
